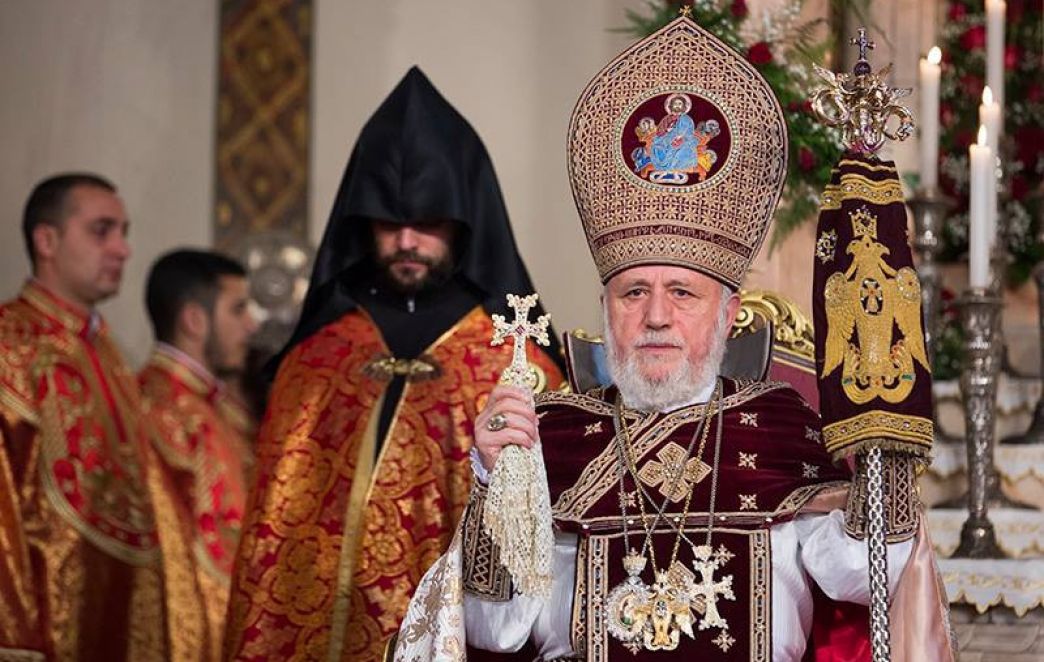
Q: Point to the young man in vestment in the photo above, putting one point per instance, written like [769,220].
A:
[363,455]
[94,562]
[695,516]
[198,305]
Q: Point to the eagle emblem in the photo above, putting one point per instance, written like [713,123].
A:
[866,302]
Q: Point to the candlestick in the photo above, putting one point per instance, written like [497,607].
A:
[995,11]
[981,163]
[929,89]
[980,317]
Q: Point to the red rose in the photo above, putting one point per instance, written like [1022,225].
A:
[974,38]
[1019,187]
[1011,56]
[957,12]
[946,115]
[739,8]
[806,158]
[972,85]
[759,53]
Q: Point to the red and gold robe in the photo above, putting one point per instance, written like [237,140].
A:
[337,539]
[199,438]
[96,564]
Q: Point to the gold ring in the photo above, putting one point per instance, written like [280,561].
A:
[496,423]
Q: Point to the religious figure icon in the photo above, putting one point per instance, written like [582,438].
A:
[677,147]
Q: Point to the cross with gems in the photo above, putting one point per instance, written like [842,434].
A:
[518,373]
[863,43]
[709,589]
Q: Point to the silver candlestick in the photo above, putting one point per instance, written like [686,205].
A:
[930,209]
[980,315]
[1035,434]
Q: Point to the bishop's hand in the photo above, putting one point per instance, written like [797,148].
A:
[508,418]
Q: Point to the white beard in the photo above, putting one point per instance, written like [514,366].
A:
[680,387]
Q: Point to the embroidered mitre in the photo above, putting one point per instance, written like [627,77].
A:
[677,155]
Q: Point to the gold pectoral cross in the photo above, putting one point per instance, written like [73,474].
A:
[521,373]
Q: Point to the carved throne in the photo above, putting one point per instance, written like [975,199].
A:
[771,339]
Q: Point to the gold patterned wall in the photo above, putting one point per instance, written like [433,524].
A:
[263,119]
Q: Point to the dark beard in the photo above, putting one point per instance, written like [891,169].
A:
[438,273]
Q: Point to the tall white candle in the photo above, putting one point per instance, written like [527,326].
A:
[929,84]
[981,163]
[990,117]
[995,11]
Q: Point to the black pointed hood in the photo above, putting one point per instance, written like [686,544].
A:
[416,159]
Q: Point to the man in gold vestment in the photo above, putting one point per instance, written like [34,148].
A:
[363,456]
[94,564]
[197,302]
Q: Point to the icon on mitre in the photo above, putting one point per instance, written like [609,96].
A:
[676,149]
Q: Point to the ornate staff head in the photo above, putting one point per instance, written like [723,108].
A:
[862,103]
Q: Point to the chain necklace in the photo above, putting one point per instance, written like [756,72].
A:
[654,617]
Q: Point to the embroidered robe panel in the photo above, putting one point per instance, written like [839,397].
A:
[308,583]
[207,459]
[771,463]
[100,568]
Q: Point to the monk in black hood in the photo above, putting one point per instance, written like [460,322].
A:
[364,465]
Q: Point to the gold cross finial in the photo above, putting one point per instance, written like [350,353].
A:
[519,373]
[686,11]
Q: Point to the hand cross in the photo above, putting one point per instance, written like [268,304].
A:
[518,373]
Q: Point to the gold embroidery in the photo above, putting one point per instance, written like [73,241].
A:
[869,298]
[877,424]
[826,246]
[724,641]
[858,187]
[655,474]
[812,434]
[599,475]
[809,470]
[593,428]
[748,460]
[749,418]
[748,501]
[483,574]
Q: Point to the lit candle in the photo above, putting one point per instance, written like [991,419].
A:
[990,117]
[981,161]
[929,82]
[995,10]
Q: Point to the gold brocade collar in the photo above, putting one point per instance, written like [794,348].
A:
[85,324]
[184,369]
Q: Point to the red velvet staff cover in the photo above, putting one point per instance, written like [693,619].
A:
[874,376]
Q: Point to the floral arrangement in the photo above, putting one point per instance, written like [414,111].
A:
[963,37]
[783,49]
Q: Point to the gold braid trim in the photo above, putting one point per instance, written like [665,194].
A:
[857,187]
[879,429]
[484,575]
[21,655]
[902,504]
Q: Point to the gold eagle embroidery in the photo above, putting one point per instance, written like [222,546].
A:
[870,298]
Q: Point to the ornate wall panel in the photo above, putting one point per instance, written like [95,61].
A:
[263,119]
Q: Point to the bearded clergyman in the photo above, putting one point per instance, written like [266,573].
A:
[695,516]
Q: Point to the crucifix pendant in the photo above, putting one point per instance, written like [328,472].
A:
[521,373]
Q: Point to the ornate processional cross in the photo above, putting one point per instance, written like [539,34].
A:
[519,373]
